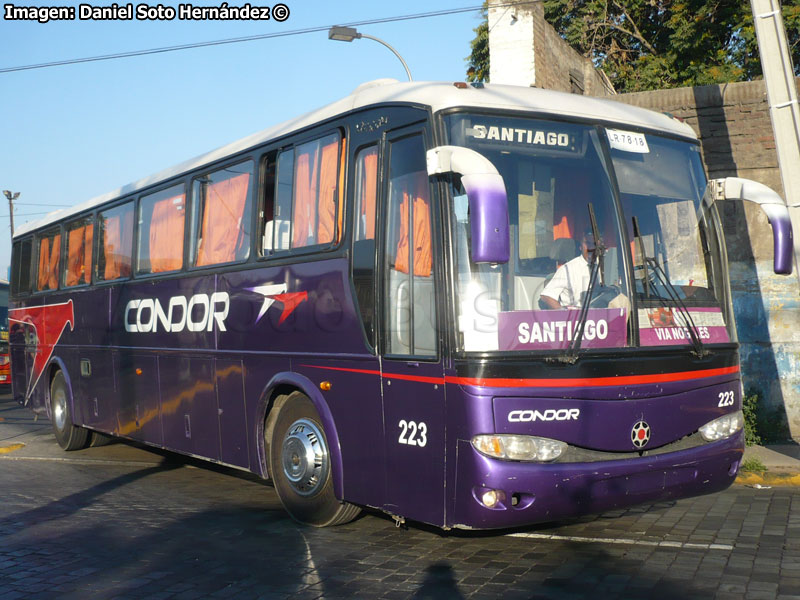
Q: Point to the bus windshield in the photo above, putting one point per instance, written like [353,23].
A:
[580,262]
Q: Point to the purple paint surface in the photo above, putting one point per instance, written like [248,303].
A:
[554,329]
[488,208]
[783,245]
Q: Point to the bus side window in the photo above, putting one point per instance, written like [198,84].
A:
[162,218]
[364,250]
[409,293]
[49,260]
[115,243]
[315,192]
[307,198]
[79,252]
[21,267]
[278,207]
[221,215]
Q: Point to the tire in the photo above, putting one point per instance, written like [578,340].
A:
[305,489]
[68,436]
[96,439]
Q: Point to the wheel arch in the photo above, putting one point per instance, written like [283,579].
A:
[273,397]
[57,364]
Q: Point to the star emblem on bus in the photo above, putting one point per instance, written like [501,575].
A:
[640,434]
[276,293]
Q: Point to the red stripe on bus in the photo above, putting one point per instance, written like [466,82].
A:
[553,383]
[594,381]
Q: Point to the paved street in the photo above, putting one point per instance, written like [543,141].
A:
[123,522]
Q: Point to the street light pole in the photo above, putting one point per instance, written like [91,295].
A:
[348,34]
[11,197]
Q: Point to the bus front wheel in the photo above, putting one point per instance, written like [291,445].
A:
[300,465]
[68,435]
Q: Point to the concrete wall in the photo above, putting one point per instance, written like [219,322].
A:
[735,130]
[524,49]
[511,55]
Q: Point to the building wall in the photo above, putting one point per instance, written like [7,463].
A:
[735,131]
[524,49]
[511,54]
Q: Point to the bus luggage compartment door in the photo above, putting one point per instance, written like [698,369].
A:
[139,411]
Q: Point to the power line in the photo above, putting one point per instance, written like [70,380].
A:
[425,15]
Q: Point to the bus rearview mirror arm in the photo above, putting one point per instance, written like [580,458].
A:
[488,203]
[736,188]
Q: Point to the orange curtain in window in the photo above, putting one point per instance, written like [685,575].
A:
[117,238]
[369,192]
[112,237]
[44,264]
[570,211]
[329,163]
[79,255]
[416,187]
[166,235]
[87,253]
[340,188]
[49,255]
[315,184]
[305,192]
[221,234]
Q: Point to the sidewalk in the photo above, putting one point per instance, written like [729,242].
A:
[782,462]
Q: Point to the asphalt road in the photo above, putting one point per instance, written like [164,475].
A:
[123,522]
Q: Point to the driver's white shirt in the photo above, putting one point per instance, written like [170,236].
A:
[569,282]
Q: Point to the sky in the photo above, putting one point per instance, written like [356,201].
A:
[70,133]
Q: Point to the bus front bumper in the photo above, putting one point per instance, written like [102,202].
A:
[528,493]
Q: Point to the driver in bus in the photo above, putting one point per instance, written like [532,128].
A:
[571,280]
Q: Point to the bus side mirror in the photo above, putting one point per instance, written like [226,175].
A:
[735,188]
[488,204]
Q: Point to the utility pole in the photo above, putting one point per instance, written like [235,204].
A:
[11,197]
[776,64]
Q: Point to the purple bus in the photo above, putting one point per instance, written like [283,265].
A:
[470,306]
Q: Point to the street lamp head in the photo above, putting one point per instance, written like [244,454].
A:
[11,195]
[343,34]
[348,34]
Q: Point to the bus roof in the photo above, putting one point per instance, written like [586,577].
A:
[437,95]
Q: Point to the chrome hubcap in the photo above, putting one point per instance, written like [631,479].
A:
[59,406]
[304,457]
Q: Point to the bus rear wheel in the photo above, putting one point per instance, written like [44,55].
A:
[68,435]
[300,465]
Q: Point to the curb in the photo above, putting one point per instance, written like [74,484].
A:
[11,448]
[768,479]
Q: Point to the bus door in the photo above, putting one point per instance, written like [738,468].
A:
[412,373]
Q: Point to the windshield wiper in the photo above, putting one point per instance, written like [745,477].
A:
[663,279]
[645,278]
[596,266]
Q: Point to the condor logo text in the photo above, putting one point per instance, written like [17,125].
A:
[527,416]
[200,312]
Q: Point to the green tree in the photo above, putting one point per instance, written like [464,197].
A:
[655,44]
[478,60]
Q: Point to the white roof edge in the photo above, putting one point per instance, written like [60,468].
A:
[438,95]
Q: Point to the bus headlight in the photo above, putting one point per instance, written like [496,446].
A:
[723,427]
[518,447]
